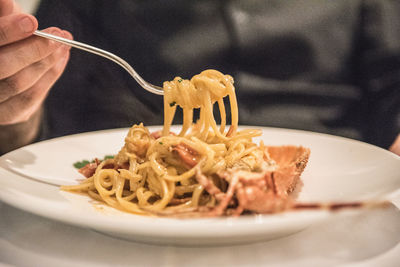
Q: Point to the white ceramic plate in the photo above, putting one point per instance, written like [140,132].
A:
[339,169]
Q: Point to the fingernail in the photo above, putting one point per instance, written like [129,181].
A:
[67,35]
[26,24]
[56,32]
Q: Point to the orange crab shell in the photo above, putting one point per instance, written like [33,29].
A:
[271,191]
[291,161]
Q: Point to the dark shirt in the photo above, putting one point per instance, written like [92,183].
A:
[325,66]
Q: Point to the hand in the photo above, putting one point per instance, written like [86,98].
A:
[395,147]
[29,65]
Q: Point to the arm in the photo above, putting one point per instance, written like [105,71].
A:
[377,68]
[29,66]
[18,134]
[395,147]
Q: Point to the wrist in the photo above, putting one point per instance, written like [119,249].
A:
[13,136]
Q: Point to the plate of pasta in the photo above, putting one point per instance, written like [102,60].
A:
[201,182]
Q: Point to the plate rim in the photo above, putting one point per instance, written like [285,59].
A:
[175,225]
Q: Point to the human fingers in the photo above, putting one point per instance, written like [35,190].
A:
[16,27]
[16,56]
[7,7]
[20,107]
[28,76]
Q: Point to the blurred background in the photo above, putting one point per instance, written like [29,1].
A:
[28,6]
[324,66]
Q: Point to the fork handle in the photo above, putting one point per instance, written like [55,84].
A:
[100,52]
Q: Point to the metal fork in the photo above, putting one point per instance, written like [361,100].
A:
[146,85]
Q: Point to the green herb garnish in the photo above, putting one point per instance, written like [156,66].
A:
[180,80]
[160,143]
[172,104]
[81,164]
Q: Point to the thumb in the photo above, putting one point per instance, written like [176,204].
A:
[7,7]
